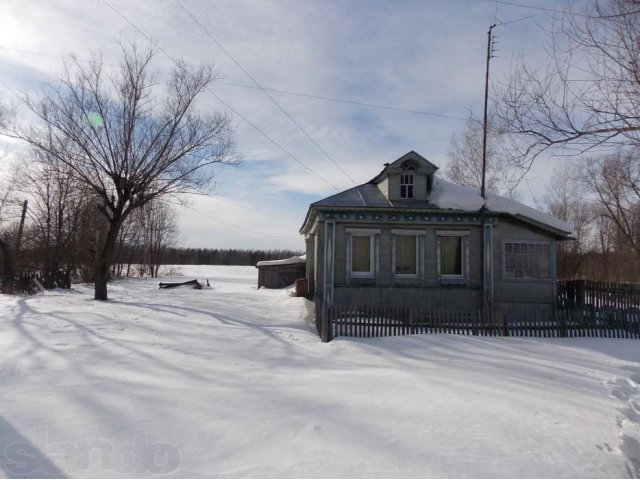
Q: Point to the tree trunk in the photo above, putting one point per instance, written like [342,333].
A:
[6,270]
[104,257]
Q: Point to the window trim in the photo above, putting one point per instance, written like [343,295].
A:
[464,256]
[411,178]
[406,233]
[362,232]
[552,260]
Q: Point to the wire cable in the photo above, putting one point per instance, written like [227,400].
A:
[274,90]
[562,12]
[239,227]
[258,129]
[267,94]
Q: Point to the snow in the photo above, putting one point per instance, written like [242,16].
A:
[284,261]
[234,382]
[451,196]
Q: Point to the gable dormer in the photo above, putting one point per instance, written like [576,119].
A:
[409,178]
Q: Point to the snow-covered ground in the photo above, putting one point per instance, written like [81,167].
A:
[232,381]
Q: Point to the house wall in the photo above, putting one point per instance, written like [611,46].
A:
[511,294]
[318,260]
[428,291]
[383,186]
[310,242]
[428,298]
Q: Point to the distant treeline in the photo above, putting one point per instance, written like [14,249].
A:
[215,256]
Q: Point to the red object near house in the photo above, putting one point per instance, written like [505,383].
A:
[302,287]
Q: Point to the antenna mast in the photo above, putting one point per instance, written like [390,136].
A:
[490,52]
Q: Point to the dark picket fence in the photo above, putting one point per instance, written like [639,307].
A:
[362,321]
[385,322]
[25,281]
[583,293]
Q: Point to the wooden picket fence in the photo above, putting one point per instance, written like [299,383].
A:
[598,294]
[381,321]
[385,321]
[25,281]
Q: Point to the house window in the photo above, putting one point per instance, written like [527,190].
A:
[527,260]
[406,185]
[361,257]
[453,255]
[406,255]
[361,248]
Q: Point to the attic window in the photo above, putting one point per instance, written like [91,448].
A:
[406,185]
[408,166]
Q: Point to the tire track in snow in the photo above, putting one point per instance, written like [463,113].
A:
[627,390]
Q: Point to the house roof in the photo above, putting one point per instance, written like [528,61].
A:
[368,195]
[445,196]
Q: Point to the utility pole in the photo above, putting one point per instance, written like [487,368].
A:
[486,261]
[490,51]
[486,251]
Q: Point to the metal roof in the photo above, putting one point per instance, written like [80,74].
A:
[369,195]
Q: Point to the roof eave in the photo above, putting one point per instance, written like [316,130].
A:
[557,233]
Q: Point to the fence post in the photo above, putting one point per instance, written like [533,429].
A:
[581,292]
[326,323]
[505,325]
[560,321]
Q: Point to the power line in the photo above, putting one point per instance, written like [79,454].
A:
[268,95]
[535,7]
[262,132]
[239,227]
[274,90]
[351,102]
[562,12]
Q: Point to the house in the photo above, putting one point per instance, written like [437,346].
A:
[409,238]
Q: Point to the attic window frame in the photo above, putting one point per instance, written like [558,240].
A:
[406,187]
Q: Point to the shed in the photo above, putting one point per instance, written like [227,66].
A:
[281,273]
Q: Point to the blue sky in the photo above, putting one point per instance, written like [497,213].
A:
[424,55]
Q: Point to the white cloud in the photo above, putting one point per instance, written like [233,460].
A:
[426,56]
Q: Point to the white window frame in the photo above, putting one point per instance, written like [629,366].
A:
[464,254]
[411,178]
[362,232]
[527,242]
[406,233]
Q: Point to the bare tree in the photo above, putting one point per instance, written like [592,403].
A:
[567,199]
[588,97]
[615,181]
[128,137]
[8,218]
[55,207]
[159,230]
[128,245]
[465,160]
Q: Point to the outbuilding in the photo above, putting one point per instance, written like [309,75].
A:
[281,273]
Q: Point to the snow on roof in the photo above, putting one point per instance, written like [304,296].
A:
[284,261]
[448,195]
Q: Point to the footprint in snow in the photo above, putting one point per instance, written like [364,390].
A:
[628,390]
[624,389]
[631,449]
[605,447]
